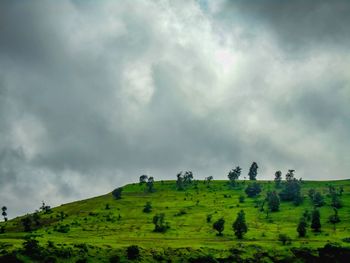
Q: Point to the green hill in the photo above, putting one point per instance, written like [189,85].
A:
[101,228]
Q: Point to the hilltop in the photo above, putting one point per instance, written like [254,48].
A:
[101,228]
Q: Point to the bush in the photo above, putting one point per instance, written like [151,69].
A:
[117,193]
[31,248]
[181,212]
[209,218]
[253,190]
[285,239]
[241,198]
[62,228]
[114,259]
[147,208]
[133,252]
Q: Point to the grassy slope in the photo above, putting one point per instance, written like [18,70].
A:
[91,223]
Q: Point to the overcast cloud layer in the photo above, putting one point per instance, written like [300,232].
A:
[95,93]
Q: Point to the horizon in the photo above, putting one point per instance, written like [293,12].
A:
[95,93]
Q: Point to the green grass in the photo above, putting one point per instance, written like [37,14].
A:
[92,224]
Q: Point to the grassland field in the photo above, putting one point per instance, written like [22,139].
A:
[108,231]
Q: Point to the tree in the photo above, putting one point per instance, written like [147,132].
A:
[188,177]
[179,182]
[336,202]
[334,219]
[273,201]
[45,208]
[150,184]
[315,221]
[290,175]
[278,179]
[219,226]
[143,179]
[253,189]
[148,207]
[317,199]
[117,193]
[234,175]
[285,239]
[291,190]
[36,218]
[253,171]
[159,223]
[301,229]
[4,213]
[133,252]
[27,223]
[208,179]
[241,199]
[240,226]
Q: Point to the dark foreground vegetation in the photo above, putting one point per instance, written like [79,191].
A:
[188,220]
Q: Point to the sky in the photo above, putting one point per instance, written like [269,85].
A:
[94,94]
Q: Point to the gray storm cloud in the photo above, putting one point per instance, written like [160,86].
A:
[94,94]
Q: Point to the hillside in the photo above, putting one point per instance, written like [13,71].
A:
[100,227]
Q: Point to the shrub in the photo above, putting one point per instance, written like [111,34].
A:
[285,239]
[253,189]
[209,218]
[62,228]
[219,226]
[147,208]
[114,259]
[133,252]
[241,198]
[117,193]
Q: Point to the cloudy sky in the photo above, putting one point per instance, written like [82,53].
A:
[95,93]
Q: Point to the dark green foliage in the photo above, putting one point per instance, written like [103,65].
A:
[117,193]
[143,179]
[278,179]
[334,253]
[273,201]
[133,252]
[253,171]
[208,179]
[253,189]
[219,226]
[107,207]
[45,208]
[291,189]
[4,212]
[334,219]
[114,259]
[315,220]
[307,215]
[62,228]
[302,226]
[31,248]
[36,218]
[202,259]
[188,177]
[317,199]
[285,239]
[150,185]
[180,182]
[2,229]
[336,202]
[27,223]
[181,212]
[147,208]
[184,180]
[159,223]
[209,217]
[241,198]
[234,175]
[240,226]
